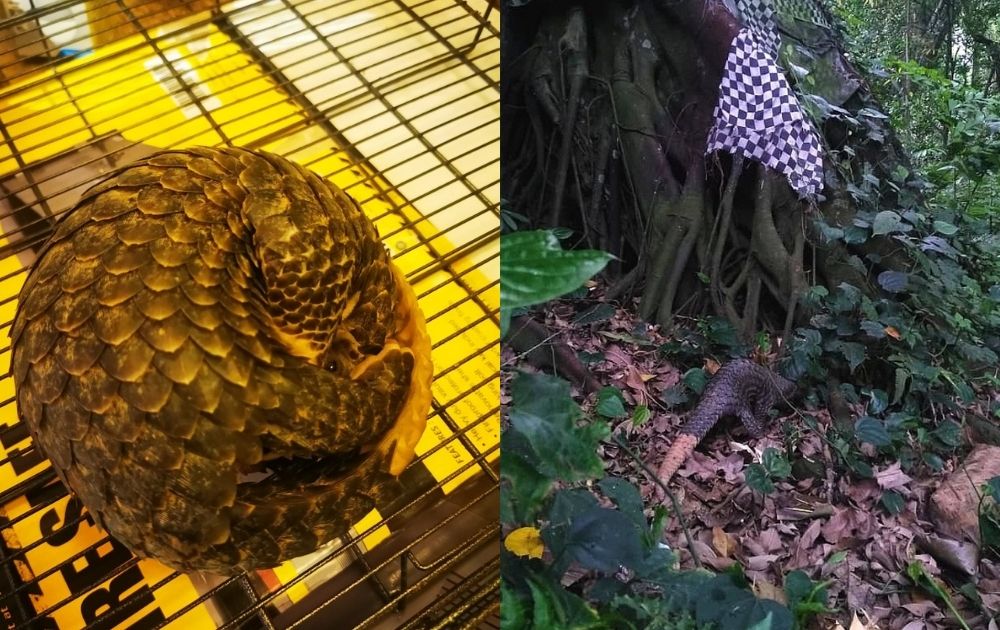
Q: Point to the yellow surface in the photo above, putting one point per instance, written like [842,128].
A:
[136,95]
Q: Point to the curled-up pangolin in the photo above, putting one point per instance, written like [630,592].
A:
[220,360]
[740,389]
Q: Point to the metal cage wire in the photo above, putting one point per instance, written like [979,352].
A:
[397,102]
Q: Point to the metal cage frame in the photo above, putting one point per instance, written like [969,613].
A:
[440,567]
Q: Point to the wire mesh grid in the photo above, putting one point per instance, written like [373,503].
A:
[396,102]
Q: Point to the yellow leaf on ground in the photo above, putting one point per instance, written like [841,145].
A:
[766,590]
[525,541]
[722,542]
[892,332]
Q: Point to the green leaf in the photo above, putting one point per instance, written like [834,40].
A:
[696,379]
[776,464]
[993,486]
[758,479]
[945,228]
[544,415]
[732,608]
[894,281]
[933,460]
[861,468]
[872,431]
[626,496]
[879,401]
[674,396]
[534,268]
[836,558]
[597,313]
[828,232]
[798,587]
[522,487]
[853,352]
[610,402]
[886,222]
[961,387]
[513,613]
[555,607]
[640,416]
[892,502]
[873,329]
[949,433]
[599,539]
[589,358]
[902,377]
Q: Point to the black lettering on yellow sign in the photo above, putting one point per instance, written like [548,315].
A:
[20,459]
[49,523]
[97,569]
[104,606]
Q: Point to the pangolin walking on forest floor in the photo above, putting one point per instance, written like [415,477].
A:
[220,359]
[740,389]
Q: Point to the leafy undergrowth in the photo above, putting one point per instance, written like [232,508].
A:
[816,515]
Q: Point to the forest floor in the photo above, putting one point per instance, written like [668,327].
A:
[833,525]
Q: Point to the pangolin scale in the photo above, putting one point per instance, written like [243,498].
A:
[740,389]
[207,317]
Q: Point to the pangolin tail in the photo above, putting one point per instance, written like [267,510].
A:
[678,453]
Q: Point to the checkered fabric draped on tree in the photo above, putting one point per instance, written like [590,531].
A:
[758,115]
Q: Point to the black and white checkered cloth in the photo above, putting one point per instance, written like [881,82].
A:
[758,16]
[759,116]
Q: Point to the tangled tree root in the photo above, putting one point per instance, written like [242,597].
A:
[607,109]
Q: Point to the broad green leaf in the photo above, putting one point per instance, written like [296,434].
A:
[798,587]
[892,502]
[674,396]
[555,607]
[949,433]
[879,400]
[534,268]
[640,416]
[886,222]
[523,487]
[776,464]
[933,460]
[894,281]
[513,613]
[598,313]
[626,497]
[721,602]
[758,479]
[902,377]
[696,379]
[872,431]
[853,352]
[945,228]
[993,486]
[873,329]
[544,416]
[603,540]
[610,402]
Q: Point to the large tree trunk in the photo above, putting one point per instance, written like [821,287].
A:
[606,109]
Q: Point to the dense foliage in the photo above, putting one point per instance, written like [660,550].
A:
[911,346]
